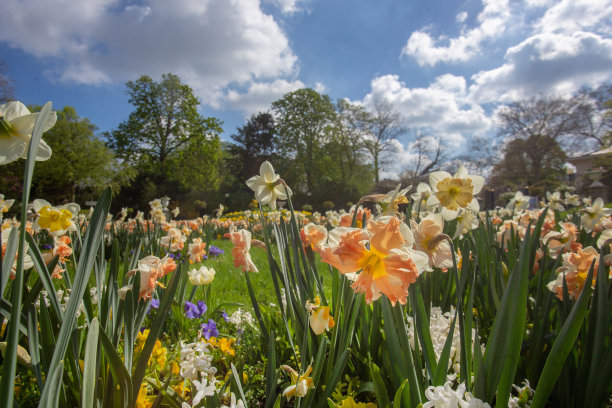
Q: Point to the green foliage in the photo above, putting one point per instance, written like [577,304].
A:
[173,148]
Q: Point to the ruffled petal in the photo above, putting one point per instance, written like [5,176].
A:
[11,149]
[436,177]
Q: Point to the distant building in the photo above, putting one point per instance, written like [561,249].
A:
[588,176]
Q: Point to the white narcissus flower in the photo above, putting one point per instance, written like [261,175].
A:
[454,192]
[554,201]
[203,390]
[16,126]
[519,202]
[202,276]
[265,186]
[593,214]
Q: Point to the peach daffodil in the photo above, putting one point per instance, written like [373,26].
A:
[429,238]
[16,126]
[268,186]
[313,235]
[241,240]
[382,255]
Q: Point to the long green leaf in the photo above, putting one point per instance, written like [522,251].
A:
[9,365]
[402,396]
[86,261]
[53,387]
[90,365]
[563,345]
[9,258]
[119,372]
[379,386]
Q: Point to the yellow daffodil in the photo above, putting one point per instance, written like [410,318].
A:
[16,126]
[56,220]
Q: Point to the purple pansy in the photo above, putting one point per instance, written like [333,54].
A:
[193,311]
[215,251]
[209,329]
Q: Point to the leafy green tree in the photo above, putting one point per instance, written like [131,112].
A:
[254,143]
[304,120]
[165,121]
[536,164]
[354,176]
[81,165]
[174,149]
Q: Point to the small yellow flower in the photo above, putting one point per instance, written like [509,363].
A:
[143,400]
[349,402]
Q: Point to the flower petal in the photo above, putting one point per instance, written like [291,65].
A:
[436,177]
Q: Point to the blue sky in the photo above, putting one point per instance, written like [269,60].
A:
[446,65]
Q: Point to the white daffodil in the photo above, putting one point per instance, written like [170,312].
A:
[267,187]
[554,201]
[202,276]
[454,192]
[16,126]
[519,202]
[594,214]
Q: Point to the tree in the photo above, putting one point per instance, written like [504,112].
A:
[428,153]
[174,149]
[535,164]
[165,121]
[6,85]
[578,123]
[354,176]
[304,119]
[255,142]
[80,167]
[385,124]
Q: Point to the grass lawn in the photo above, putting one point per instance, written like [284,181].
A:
[229,285]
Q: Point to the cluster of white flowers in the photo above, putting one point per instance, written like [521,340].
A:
[524,396]
[446,397]
[157,211]
[242,318]
[439,327]
[196,359]
[64,296]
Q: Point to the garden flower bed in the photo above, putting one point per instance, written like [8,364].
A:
[402,300]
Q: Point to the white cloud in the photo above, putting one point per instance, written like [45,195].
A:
[320,87]
[288,6]
[461,17]
[213,45]
[546,63]
[429,51]
[442,109]
[260,95]
[568,16]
